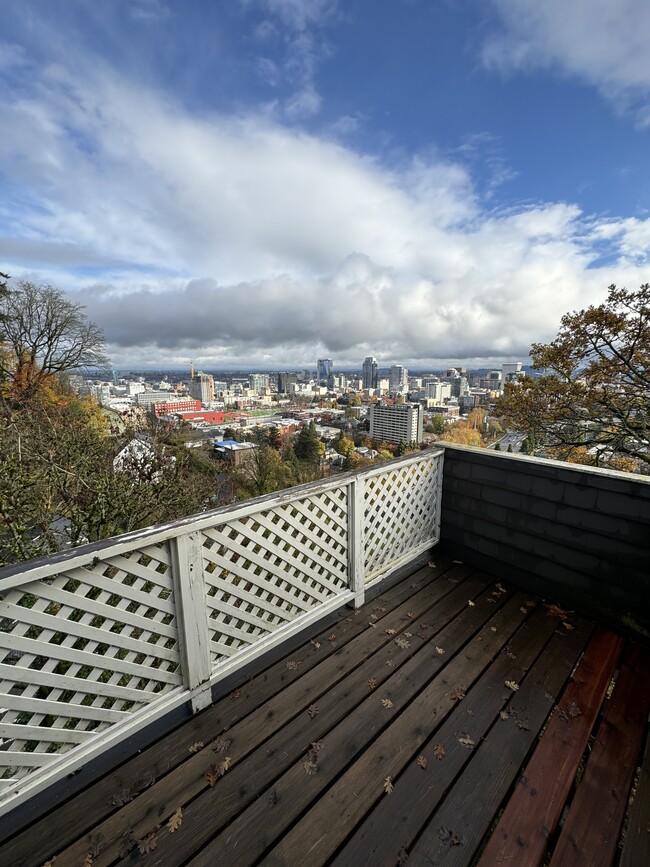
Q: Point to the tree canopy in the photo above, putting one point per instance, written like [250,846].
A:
[43,334]
[592,402]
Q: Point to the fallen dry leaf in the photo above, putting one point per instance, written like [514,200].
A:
[491,601]
[312,710]
[391,632]
[431,564]
[523,609]
[196,747]
[220,745]
[175,820]
[439,650]
[310,767]
[567,625]
[388,785]
[235,693]
[469,602]
[292,666]
[402,642]
[332,637]
[466,741]
[504,714]
[88,861]
[449,837]
[493,629]
[408,635]
[512,685]
[315,644]
[439,752]
[387,702]
[148,844]
[457,694]
[212,775]
[390,663]
[410,614]
[225,766]
[422,762]
[457,562]
[402,856]
[556,611]
[370,623]
[372,682]
[500,587]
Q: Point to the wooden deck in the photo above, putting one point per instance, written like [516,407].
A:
[409,729]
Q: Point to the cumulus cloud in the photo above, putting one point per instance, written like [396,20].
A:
[601,43]
[236,239]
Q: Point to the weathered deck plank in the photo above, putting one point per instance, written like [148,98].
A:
[532,813]
[379,707]
[592,828]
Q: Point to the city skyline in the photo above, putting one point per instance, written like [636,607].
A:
[265,182]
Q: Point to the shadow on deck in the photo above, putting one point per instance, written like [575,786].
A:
[409,728]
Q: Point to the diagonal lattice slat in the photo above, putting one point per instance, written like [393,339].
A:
[264,570]
[81,650]
[400,513]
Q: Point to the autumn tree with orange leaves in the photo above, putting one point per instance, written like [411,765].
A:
[591,405]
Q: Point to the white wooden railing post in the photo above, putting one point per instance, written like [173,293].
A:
[356,541]
[192,617]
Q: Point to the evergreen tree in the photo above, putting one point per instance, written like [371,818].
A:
[307,445]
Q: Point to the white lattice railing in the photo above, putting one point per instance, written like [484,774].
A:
[101,640]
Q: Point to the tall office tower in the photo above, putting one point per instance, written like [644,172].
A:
[369,372]
[202,387]
[285,380]
[510,371]
[324,369]
[398,379]
[258,381]
[396,423]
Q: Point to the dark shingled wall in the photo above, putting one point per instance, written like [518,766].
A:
[572,534]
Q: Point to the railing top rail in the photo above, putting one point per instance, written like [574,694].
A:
[43,567]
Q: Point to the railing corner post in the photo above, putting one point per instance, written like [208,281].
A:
[192,617]
[356,542]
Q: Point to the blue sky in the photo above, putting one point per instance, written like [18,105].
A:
[266,182]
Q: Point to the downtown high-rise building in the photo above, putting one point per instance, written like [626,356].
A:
[324,369]
[369,372]
[398,379]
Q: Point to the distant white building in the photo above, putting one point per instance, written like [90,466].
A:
[396,423]
[398,379]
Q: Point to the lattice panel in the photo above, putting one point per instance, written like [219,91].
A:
[400,513]
[266,569]
[80,651]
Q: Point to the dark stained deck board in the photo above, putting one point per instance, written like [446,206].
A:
[531,815]
[636,842]
[391,828]
[592,828]
[294,791]
[266,809]
[34,844]
[347,700]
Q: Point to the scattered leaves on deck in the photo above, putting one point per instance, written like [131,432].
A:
[315,644]
[440,650]
[388,785]
[512,685]
[403,643]
[148,843]
[504,714]
[390,663]
[408,635]
[556,611]
[457,694]
[472,604]
[372,682]
[508,652]
[214,771]
[196,747]
[391,632]
[431,564]
[448,836]
[292,666]
[439,752]
[310,767]
[423,762]
[332,637]
[235,693]
[220,744]
[569,711]
[175,820]
[466,741]
[312,710]
[387,702]
[310,762]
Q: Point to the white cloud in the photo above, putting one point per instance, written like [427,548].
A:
[224,238]
[599,42]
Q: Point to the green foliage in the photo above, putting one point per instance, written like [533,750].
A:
[591,405]
[307,445]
